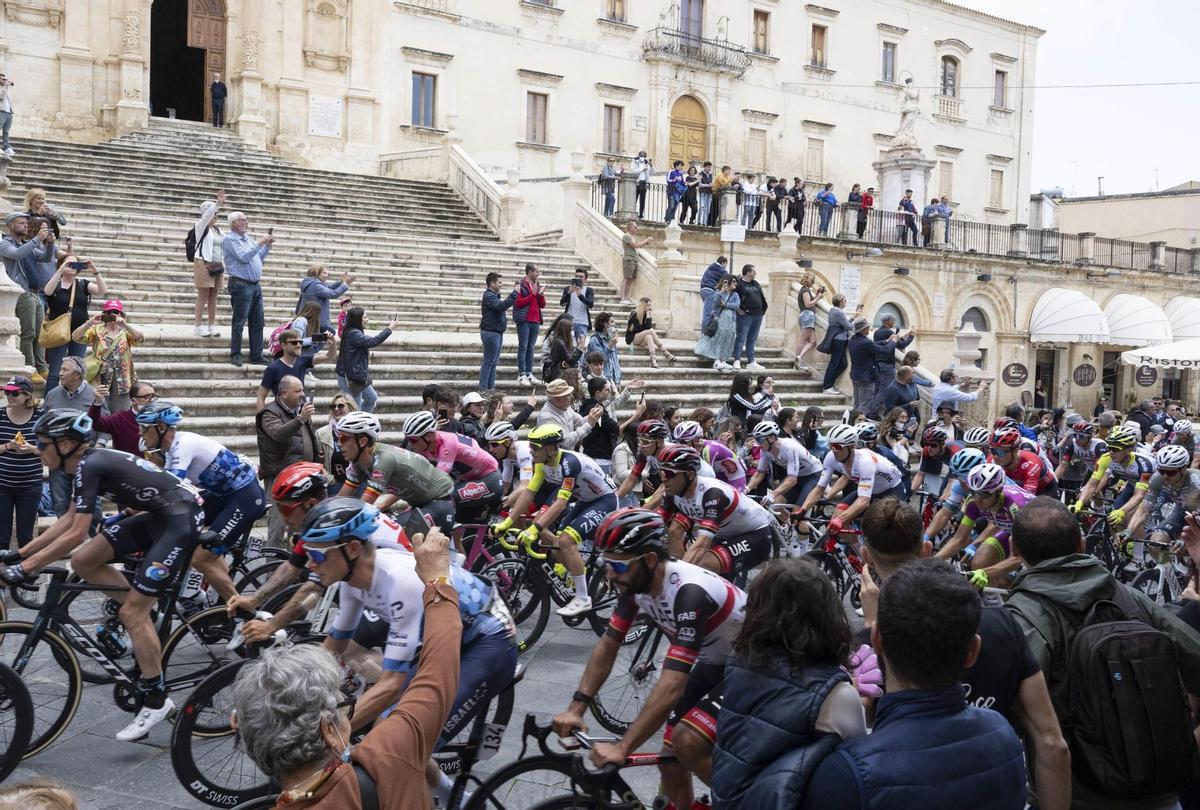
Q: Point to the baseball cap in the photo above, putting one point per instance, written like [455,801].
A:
[19,383]
[471,398]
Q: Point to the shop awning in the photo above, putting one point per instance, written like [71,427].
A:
[1183,312]
[1181,354]
[1067,316]
[1136,321]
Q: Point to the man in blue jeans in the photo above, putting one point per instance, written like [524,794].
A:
[492,324]
[6,115]
[749,319]
[243,262]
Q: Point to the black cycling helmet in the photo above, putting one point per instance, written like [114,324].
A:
[679,458]
[653,429]
[63,423]
[631,531]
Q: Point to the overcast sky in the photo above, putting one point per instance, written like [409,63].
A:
[1122,134]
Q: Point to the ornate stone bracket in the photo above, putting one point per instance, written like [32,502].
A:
[326,61]
[48,14]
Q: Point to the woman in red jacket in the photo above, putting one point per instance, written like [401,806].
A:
[527,313]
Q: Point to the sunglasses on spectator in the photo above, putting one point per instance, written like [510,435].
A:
[14,393]
[621,566]
[348,705]
[147,397]
[319,554]
[338,406]
[293,342]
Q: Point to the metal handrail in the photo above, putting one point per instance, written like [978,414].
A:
[688,48]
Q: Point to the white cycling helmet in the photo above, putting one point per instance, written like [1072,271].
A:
[1182,426]
[500,432]
[843,435]
[985,478]
[688,431]
[763,430]
[977,437]
[1134,428]
[419,424]
[359,423]
[1173,457]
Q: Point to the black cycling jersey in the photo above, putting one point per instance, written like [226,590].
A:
[130,482]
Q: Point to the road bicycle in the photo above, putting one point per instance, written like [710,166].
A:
[16,720]
[1164,580]
[1101,543]
[835,558]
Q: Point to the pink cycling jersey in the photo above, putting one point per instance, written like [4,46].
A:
[461,457]
[725,464]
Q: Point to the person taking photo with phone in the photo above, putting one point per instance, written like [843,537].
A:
[354,358]
[66,292]
[111,340]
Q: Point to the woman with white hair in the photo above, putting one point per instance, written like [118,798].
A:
[294,722]
[208,266]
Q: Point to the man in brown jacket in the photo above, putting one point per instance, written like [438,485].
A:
[285,435]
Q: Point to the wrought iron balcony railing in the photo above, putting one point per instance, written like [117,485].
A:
[673,45]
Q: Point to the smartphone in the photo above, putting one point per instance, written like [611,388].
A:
[308,400]
[444,414]
[270,231]
[78,265]
[643,398]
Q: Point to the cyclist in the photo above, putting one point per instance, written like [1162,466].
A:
[977,437]
[997,501]
[955,494]
[868,437]
[1181,434]
[1031,472]
[336,538]
[937,448]
[165,531]
[515,458]
[1122,464]
[731,534]
[1173,492]
[394,478]
[233,498]
[787,461]
[872,476]
[574,495]
[699,612]
[651,438]
[1080,454]
[477,485]
[725,464]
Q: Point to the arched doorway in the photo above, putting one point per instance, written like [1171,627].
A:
[689,131]
[187,45]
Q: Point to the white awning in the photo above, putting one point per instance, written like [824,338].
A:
[1182,354]
[1184,314]
[1067,316]
[1136,321]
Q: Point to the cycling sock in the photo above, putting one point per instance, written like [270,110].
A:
[442,789]
[154,691]
[580,585]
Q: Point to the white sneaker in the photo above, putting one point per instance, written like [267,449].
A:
[578,605]
[832,391]
[10,152]
[755,367]
[146,719]
[737,364]
[212,331]
[200,329]
[719,365]
[625,301]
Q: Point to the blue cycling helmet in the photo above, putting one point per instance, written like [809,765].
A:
[339,519]
[160,412]
[966,460]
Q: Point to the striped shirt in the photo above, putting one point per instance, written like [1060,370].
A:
[19,470]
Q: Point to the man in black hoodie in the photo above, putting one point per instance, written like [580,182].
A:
[749,318]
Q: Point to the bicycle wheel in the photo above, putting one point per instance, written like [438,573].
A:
[1150,583]
[828,563]
[196,648]
[633,676]
[523,591]
[205,753]
[566,802]
[52,677]
[300,629]
[522,783]
[604,600]
[264,803]
[256,574]
[16,720]
[88,609]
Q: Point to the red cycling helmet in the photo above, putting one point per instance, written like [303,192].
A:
[631,531]
[653,429]
[1006,438]
[299,482]
[935,435]
[1005,422]
[679,458]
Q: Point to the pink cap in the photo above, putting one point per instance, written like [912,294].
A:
[114,305]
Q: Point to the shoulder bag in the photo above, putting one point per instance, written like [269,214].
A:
[57,331]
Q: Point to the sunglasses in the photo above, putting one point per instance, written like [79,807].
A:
[339,406]
[147,397]
[319,555]
[501,443]
[293,342]
[348,704]
[1171,472]
[14,393]
[621,566]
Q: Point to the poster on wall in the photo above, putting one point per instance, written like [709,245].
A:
[1146,376]
[325,116]
[848,286]
[1015,375]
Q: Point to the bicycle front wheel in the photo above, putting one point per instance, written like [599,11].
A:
[1151,584]
[634,674]
[196,648]
[16,720]
[524,782]
[524,593]
[52,677]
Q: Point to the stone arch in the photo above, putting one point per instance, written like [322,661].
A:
[987,297]
[905,294]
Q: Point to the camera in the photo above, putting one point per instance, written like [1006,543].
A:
[108,317]
[320,337]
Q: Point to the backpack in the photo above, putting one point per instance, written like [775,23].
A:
[190,243]
[273,347]
[1128,721]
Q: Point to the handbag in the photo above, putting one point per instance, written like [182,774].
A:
[57,331]
[710,327]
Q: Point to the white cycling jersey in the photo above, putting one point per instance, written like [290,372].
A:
[718,508]
[791,454]
[522,463]
[208,464]
[870,472]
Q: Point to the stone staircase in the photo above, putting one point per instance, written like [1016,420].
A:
[419,252]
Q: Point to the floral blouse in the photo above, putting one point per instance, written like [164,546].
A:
[115,354]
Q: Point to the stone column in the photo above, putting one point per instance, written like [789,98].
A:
[777,320]
[361,99]
[672,264]
[251,125]
[1158,255]
[848,220]
[133,112]
[1018,239]
[75,64]
[1087,248]
[292,134]
[575,189]
[728,206]
[511,203]
[11,360]
[966,359]
[937,232]
[1196,261]
[626,197]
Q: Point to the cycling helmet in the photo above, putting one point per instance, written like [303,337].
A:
[545,434]
[653,429]
[986,478]
[1120,438]
[868,432]
[1005,422]
[966,460]
[1006,439]
[417,425]
[935,435]
[679,458]
[688,431]
[63,423]
[359,423]
[339,519]
[631,531]
[299,482]
[1173,457]
[1134,428]
[160,412]
[500,432]
[765,430]
[842,435]
[977,437]
[1182,427]
[1083,429]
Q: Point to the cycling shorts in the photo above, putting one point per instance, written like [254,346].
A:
[582,519]
[896,492]
[700,704]
[417,519]
[231,516]
[475,501]
[1124,495]
[740,554]
[796,495]
[164,542]
[1001,543]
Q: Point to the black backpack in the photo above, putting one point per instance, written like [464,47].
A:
[189,243]
[1128,724]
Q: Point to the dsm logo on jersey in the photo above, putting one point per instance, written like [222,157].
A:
[157,571]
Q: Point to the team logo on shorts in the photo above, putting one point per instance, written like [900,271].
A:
[473,491]
[157,571]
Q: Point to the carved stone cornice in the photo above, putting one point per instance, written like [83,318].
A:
[47,14]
